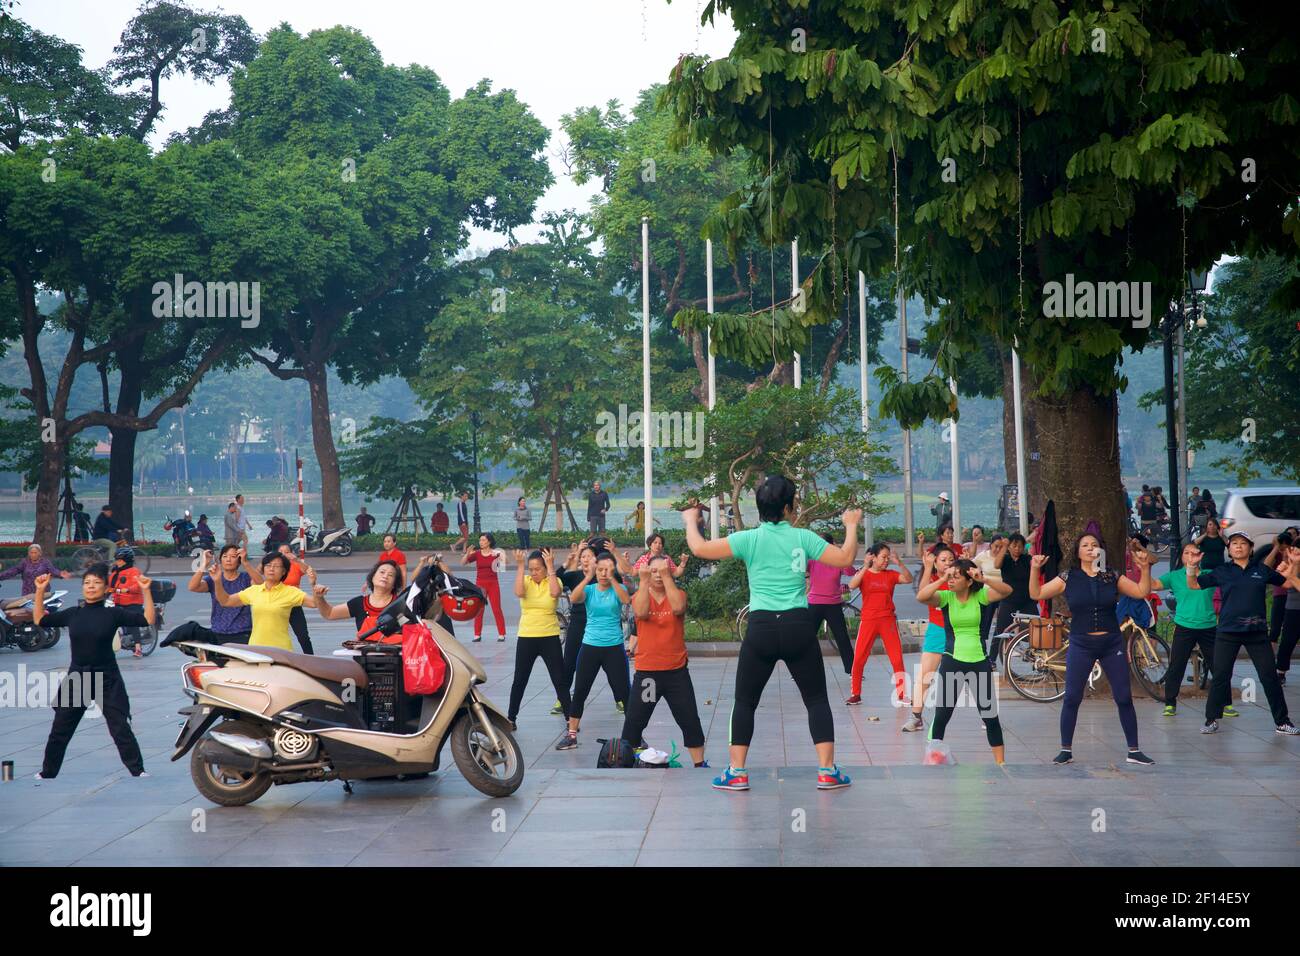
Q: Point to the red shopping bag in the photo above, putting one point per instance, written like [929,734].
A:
[423,669]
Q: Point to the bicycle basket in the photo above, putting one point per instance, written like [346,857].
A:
[1047,633]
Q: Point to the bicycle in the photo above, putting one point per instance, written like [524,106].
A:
[95,553]
[1039,673]
[852,602]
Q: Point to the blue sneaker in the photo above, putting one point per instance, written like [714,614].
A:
[832,778]
[732,780]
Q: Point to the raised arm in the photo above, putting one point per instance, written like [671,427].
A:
[146,592]
[224,599]
[578,593]
[552,579]
[254,573]
[676,596]
[904,575]
[842,555]
[1045,591]
[519,574]
[620,592]
[1142,587]
[196,582]
[700,546]
[330,612]
[929,593]
[996,589]
[38,602]
[641,599]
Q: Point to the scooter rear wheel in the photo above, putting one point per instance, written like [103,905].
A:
[227,787]
[495,774]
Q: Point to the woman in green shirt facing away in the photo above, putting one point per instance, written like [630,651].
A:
[781,626]
[963,656]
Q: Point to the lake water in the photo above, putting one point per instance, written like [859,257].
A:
[17,518]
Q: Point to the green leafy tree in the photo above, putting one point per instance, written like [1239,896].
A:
[812,437]
[1116,143]
[366,176]
[1242,369]
[391,456]
[46,92]
[539,347]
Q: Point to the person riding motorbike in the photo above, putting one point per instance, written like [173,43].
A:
[280,534]
[124,588]
[182,529]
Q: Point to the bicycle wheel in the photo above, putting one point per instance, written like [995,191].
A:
[83,558]
[1148,658]
[148,640]
[1035,674]
[742,621]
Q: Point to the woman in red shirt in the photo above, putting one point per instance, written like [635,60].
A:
[392,553]
[488,559]
[878,618]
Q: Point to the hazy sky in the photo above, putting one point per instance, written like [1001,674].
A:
[556,54]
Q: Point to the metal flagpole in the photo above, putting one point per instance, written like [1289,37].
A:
[867,530]
[1021,492]
[646,421]
[794,295]
[713,382]
[956,474]
[302,521]
[909,522]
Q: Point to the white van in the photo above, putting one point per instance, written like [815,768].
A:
[1262,513]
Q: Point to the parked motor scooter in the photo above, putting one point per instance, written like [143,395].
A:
[17,627]
[264,716]
[147,637]
[311,540]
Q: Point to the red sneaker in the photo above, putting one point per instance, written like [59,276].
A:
[855,699]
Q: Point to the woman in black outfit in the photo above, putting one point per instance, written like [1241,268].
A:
[93,673]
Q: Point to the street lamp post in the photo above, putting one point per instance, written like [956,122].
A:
[1171,326]
[473,419]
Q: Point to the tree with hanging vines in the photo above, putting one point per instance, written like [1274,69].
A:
[981,150]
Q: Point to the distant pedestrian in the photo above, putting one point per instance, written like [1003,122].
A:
[440,521]
[462,521]
[942,511]
[523,523]
[241,519]
[365,522]
[395,554]
[597,506]
[231,524]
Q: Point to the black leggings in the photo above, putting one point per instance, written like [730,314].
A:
[527,650]
[833,615]
[1186,638]
[573,642]
[1084,651]
[115,706]
[789,636]
[298,622]
[951,678]
[194,631]
[1275,619]
[590,661]
[1290,636]
[1226,646]
[674,686]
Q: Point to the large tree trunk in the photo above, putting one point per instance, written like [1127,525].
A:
[1033,466]
[121,459]
[1078,435]
[53,455]
[331,494]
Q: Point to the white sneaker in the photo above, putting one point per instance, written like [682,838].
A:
[914,723]
[39,776]
[1288,729]
[1211,728]
[142,773]
[501,639]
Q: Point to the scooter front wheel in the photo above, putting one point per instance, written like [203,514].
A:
[227,786]
[497,774]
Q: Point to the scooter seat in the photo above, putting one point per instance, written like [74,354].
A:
[336,670]
[9,603]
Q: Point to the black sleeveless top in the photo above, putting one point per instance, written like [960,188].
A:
[1092,601]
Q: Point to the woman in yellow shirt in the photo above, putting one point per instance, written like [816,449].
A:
[272,601]
[539,628]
